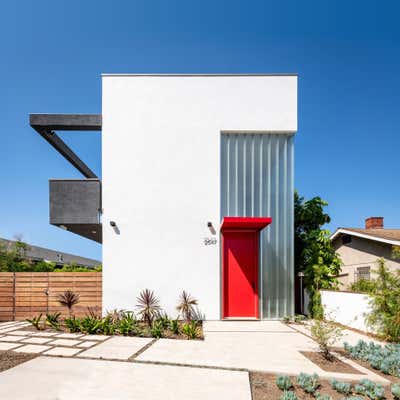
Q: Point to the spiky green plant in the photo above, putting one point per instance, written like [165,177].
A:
[186,306]
[90,325]
[341,387]
[148,306]
[36,322]
[53,320]
[73,324]
[309,383]
[174,326]
[191,330]
[288,395]
[68,299]
[395,389]
[157,330]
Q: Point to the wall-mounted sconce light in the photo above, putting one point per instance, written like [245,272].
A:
[211,228]
[115,227]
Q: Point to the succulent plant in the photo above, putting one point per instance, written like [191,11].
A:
[341,387]
[288,395]
[283,382]
[309,383]
[396,391]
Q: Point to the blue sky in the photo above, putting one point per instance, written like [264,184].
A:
[347,55]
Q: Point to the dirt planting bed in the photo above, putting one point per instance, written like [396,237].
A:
[10,359]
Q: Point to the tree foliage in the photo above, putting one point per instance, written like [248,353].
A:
[314,253]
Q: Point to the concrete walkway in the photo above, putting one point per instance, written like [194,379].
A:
[103,367]
[49,378]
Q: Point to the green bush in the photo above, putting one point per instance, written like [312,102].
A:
[157,330]
[363,286]
[309,383]
[283,382]
[396,391]
[73,324]
[174,326]
[90,325]
[341,387]
[53,320]
[288,395]
[191,330]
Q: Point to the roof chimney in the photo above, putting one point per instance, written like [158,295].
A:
[374,223]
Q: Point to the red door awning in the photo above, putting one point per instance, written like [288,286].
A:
[256,223]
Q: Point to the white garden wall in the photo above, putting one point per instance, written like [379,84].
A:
[347,308]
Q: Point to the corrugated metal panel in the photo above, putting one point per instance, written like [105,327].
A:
[257,180]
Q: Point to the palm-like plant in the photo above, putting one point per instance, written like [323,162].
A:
[148,306]
[186,306]
[68,299]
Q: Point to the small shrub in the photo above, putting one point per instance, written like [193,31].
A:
[283,382]
[68,299]
[157,329]
[341,387]
[319,396]
[288,395]
[73,324]
[325,334]
[363,286]
[108,326]
[386,359]
[287,319]
[309,383]
[186,306]
[53,320]
[164,320]
[299,318]
[128,324]
[396,391]
[191,330]
[90,325]
[36,322]
[174,326]
[371,389]
[148,306]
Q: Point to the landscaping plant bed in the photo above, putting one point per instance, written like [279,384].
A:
[263,387]
[330,365]
[10,359]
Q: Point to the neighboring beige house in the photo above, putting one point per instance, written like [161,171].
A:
[359,249]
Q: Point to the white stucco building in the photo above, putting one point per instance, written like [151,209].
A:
[196,191]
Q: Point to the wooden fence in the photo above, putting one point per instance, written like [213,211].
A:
[26,294]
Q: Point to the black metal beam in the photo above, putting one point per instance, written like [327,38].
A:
[45,124]
[66,122]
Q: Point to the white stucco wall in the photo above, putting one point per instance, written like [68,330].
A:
[161,177]
[349,309]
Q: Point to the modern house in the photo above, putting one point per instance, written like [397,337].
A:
[196,191]
[59,258]
[359,249]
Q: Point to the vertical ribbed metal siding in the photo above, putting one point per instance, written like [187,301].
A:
[257,180]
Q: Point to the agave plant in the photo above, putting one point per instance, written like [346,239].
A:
[186,306]
[68,299]
[148,306]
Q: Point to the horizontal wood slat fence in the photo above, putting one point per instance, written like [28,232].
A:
[26,294]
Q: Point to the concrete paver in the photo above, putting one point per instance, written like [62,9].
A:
[69,335]
[117,348]
[86,344]
[64,342]
[12,338]
[105,380]
[36,340]
[44,334]
[62,351]
[32,348]
[21,333]
[95,337]
[8,346]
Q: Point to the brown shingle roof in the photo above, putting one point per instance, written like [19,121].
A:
[389,234]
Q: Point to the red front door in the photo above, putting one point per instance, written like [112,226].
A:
[240,273]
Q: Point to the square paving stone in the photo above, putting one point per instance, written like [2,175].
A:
[62,351]
[94,337]
[117,348]
[86,344]
[70,335]
[8,346]
[32,348]
[65,342]
[36,340]
[44,334]
[22,333]
[12,338]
